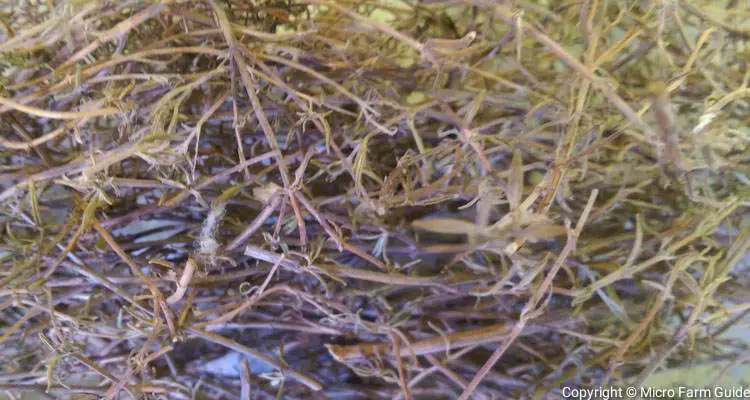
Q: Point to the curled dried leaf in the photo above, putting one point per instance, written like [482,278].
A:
[263,193]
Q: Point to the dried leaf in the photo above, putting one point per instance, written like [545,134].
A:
[515,182]
[447,226]
[360,161]
[542,231]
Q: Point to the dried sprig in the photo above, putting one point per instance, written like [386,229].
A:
[369,199]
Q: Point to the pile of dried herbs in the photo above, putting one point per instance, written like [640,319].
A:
[369,199]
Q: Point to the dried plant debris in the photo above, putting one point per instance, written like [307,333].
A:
[369,199]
